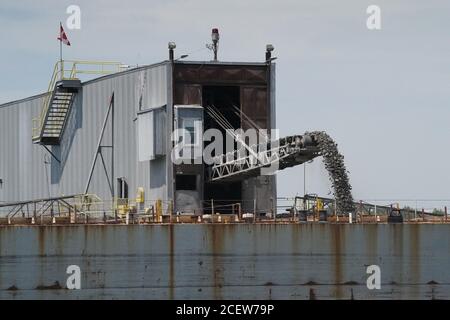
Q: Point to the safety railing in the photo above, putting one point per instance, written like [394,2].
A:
[70,70]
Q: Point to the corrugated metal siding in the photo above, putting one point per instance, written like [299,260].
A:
[23,165]
[151,134]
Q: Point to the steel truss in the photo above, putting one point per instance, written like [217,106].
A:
[283,153]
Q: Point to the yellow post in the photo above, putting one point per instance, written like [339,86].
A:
[158,210]
[169,211]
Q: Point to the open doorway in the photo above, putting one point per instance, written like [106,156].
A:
[223,98]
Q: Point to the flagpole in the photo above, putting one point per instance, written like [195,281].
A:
[61,75]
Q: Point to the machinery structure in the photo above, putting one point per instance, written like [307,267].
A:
[70,140]
[114,137]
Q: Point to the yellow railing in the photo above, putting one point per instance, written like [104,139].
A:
[61,72]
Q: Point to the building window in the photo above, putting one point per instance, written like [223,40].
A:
[186,182]
[192,127]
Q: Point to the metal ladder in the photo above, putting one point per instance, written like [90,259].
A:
[48,126]
[58,111]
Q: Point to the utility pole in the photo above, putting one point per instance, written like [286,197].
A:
[304,180]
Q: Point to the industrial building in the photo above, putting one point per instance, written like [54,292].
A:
[124,120]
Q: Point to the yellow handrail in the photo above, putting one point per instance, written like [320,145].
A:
[61,73]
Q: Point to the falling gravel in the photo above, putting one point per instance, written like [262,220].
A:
[334,163]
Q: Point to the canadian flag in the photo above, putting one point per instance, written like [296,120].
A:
[62,36]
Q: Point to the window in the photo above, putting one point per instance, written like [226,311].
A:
[190,125]
[186,182]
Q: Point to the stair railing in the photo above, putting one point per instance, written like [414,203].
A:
[60,72]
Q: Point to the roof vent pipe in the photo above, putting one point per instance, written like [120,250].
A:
[215,39]
[171,46]
[269,49]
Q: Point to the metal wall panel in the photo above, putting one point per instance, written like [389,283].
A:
[227,261]
[151,134]
[24,168]
[145,136]
[28,170]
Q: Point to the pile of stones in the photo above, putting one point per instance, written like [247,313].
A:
[334,163]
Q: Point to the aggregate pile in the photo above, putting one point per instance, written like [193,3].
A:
[334,164]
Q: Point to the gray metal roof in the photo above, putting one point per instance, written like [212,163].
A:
[108,76]
[225,63]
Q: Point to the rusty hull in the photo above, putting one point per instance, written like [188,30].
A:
[226,261]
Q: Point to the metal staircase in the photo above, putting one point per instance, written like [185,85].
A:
[48,127]
[58,111]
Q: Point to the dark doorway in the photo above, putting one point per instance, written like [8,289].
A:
[122,188]
[224,99]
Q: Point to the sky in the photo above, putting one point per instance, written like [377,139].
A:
[383,95]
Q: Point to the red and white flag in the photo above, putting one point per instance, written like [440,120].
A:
[62,36]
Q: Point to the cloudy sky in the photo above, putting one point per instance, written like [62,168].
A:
[382,94]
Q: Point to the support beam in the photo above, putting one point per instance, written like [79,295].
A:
[98,149]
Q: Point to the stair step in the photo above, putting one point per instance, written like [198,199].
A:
[62,99]
[57,113]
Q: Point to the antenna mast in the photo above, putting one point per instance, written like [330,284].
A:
[214,46]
